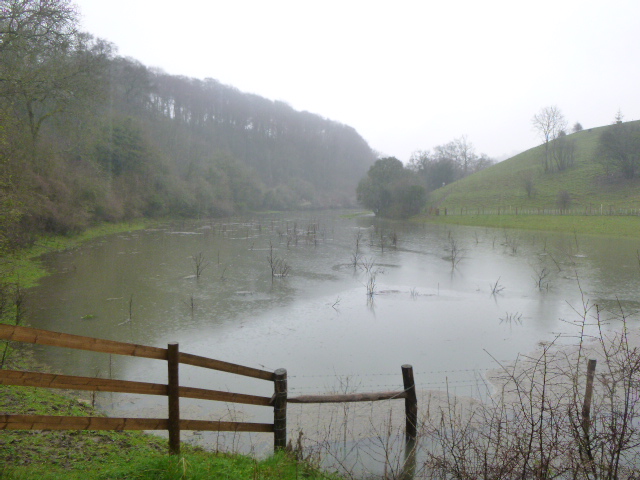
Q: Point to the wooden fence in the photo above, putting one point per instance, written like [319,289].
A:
[174,424]
[173,391]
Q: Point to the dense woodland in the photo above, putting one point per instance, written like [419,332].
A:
[87,136]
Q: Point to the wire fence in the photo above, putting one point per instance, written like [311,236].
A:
[472,380]
[590,210]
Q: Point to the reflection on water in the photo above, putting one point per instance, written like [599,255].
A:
[507,292]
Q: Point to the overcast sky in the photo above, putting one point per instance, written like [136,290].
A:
[407,75]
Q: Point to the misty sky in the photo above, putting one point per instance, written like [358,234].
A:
[407,75]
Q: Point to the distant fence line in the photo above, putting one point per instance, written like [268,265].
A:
[602,210]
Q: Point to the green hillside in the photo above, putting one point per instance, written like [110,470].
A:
[504,185]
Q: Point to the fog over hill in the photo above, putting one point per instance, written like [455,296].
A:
[89,136]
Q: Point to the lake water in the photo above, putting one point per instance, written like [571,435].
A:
[333,326]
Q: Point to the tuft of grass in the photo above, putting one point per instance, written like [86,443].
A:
[88,455]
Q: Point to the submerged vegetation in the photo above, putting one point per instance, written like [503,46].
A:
[89,138]
[458,438]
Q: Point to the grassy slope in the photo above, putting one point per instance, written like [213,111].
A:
[502,185]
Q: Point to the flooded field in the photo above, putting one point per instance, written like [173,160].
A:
[339,301]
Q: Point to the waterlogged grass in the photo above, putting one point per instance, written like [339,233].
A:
[617,226]
[33,454]
[117,455]
[356,214]
[90,455]
[24,266]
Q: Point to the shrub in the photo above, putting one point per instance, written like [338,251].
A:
[564,200]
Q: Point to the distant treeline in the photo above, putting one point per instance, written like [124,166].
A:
[87,136]
[392,190]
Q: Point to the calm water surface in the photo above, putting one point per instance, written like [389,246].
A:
[509,291]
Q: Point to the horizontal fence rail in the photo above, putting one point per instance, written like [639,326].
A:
[348,398]
[77,342]
[55,422]
[411,412]
[48,380]
[172,390]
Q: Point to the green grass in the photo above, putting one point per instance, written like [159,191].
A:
[581,224]
[502,185]
[356,214]
[476,200]
[25,267]
[117,455]
[156,466]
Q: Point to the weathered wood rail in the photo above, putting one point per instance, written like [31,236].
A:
[173,391]
[411,413]
[409,395]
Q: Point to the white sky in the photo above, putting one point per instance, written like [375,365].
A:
[407,75]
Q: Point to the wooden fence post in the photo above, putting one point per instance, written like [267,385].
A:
[586,406]
[280,410]
[173,393]
[410,403]
[411,432]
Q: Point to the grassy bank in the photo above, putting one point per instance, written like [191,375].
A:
[117,455]
[87,455]
[25,267]
[627,226]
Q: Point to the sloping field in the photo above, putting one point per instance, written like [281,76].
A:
[504,186]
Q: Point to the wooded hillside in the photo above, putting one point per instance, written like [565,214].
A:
[88,136]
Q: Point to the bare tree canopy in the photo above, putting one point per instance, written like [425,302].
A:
[449,162]
[35,24]
[549,123]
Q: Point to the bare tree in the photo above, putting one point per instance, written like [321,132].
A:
[549,123]
[36,24]
[46,63]
[466,153]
